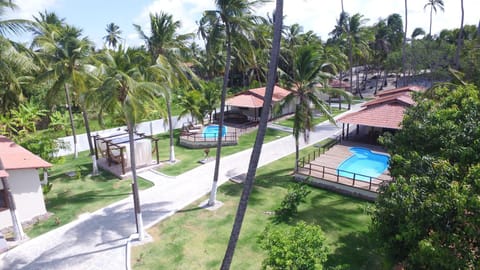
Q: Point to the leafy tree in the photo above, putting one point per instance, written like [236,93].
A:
[429,218]
[300,247]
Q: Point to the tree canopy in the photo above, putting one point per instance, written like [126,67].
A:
[429,218]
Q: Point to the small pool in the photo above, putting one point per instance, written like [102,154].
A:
[211,131]
[364,164]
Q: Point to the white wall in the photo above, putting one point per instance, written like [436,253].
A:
[27,193]
[150,127]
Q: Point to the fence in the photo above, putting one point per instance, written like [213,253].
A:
[199,140]
[339,176]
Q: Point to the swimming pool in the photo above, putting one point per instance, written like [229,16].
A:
[211,131]
[363,164]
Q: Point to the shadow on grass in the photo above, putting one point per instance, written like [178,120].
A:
[359,250]
[190,209]
[80,198]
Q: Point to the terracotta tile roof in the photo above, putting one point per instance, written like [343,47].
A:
[384,115]
[15,157]
[386,110]
[253,98]
[246,100]
[338,84]
[402,97]
[406,89]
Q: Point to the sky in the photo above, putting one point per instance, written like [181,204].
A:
[317,15]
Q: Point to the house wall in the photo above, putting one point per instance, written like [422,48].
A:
[27,193]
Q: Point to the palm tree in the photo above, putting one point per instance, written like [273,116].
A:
[235,17]
[310,72]
[257,148]
[404,43]
[124,88]
[16,61]
[460,38]
[356,40]
[164,40]
[433,4]
[113,35]
[64,53]
[14,26]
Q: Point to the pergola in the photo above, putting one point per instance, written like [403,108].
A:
[114,149]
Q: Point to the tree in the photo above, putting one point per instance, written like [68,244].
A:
[164,41]
[113,35]
[124,87]
[357,42]
[14,26]
[300,247]
[64,53]
[433,4]
[404,44]
[235,17]
[257,147]
[309,74]
[428,218]
[460,38]
[16,62]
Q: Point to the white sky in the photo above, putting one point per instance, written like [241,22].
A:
[317,15]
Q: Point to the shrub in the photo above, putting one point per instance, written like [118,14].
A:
[299,247]
[289,205]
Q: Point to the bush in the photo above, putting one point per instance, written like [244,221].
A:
[299,247]
[289,205]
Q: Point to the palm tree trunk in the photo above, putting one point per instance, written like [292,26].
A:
[404,41]
[460,39]
[213,192]
[257,148]
[136,196]
[90,144]
[431,14]
[170,130]
[72,124]
[297,153]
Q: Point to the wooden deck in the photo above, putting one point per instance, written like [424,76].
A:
[322,172]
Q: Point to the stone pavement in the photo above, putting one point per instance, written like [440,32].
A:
[98,240]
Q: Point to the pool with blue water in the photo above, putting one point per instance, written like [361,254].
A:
[363,164]
[211,131]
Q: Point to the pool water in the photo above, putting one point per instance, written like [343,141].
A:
[211,131]
[364,164]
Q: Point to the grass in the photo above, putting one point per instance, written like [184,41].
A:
[316,120]
[197,239]
[74,195]
[188,158]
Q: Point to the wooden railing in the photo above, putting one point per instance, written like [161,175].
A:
[305,167]
[204,140]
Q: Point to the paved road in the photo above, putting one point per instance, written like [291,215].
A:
[98,240]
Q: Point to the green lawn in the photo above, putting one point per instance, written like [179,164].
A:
[196,239]
[188,158]
[316,120]
[74,195]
